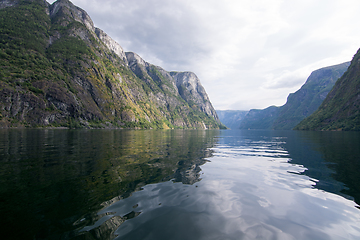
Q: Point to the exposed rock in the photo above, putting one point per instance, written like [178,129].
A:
[191,90]
[111,44]
[69,9]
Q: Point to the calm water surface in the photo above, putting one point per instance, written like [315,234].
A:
[179,184]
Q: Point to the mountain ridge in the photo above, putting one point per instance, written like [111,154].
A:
[58,69]
[340,111]
[299,104]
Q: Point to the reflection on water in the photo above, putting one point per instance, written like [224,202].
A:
[179,184]
[52,182]
[331,157]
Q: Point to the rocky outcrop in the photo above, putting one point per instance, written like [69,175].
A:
[191,90]
[111,44]
[69,10]
[173,85]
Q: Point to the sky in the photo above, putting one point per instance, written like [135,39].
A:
[248,54]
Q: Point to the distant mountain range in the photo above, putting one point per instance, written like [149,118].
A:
[299,105]
[57,69]
[231,118]
[341,108]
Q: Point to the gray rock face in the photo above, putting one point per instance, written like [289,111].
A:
[191,90]
[135,60]
[185,84]
[142,68]
[111,44]
[70,9]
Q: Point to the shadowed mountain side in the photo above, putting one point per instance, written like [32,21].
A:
[341,108]
[299,105]
[309,97]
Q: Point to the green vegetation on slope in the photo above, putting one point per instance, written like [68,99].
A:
[299,105]
[341,108]
[54,71]
[309,97]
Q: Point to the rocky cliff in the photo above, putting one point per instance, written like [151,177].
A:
[58,69]
[341,108]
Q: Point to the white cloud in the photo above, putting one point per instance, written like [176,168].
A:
[247,54]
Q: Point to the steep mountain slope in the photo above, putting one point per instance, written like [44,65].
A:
[300,104]
[308,98]
[57,69]
[341,108]
[231,118]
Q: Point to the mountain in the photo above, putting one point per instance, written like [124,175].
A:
[341,108]
[58,69]
[260,119]
[300,104]
[309,97]
[231,118]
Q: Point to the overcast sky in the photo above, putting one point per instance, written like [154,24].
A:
[247,53]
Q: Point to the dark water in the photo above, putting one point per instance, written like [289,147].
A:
[179,184]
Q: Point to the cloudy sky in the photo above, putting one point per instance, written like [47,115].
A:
[247,53]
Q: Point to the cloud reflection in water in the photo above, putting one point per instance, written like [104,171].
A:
[249,191]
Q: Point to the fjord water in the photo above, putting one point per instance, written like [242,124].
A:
[179,184]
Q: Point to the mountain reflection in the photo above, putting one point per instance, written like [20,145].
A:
[57,180]
[331,157]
